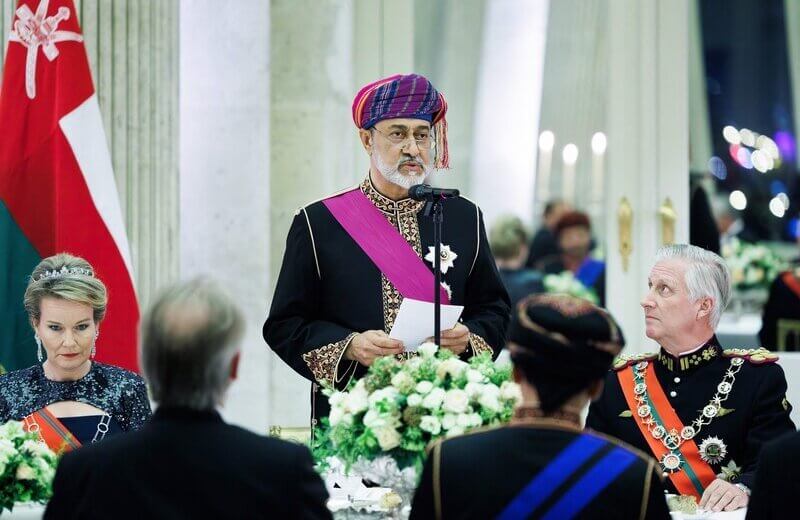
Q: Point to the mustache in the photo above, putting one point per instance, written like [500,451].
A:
[410,161]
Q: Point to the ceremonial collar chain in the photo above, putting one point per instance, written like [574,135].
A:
[714,451]
[691,361]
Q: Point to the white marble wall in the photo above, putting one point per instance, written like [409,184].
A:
[224,164]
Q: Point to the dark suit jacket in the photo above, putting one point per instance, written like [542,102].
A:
[188,464]
[777,482]
[478,474]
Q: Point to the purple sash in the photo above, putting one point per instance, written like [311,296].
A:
[384,245]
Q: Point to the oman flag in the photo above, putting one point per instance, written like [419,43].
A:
[57,189]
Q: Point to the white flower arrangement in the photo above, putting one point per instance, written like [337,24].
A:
[399,407]
[381,425]
[753,266]
[566,283]
[27,467]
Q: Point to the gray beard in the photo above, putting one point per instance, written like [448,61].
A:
[393,175]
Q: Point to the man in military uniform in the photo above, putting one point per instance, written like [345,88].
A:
[543,465]
[702,411]
[353,257]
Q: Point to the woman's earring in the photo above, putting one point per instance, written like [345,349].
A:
[39,353]
[94,345]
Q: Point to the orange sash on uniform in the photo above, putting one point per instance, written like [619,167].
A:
[695,474]
[791,282]
[52,431]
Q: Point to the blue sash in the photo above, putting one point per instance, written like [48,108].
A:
[589,271]
[567,463]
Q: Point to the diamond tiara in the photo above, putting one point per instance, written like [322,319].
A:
[64,272]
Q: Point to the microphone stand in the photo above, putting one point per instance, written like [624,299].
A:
[434,207]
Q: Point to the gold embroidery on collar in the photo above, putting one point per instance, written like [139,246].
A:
[388,205]
[687,362]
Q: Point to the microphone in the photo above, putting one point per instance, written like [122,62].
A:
[426,192]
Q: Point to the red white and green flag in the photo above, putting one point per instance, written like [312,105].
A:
[57,188]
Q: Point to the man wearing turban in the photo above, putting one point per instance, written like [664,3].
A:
[542,464]
[351,258]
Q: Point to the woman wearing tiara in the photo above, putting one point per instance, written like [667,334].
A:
[68,398]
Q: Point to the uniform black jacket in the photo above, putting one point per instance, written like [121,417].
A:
[755,412]
[477,475]
[188,464]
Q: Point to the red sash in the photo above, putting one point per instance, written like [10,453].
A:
[384,245]
[791,282]
[695,475]
[52,431]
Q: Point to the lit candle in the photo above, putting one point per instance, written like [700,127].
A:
[546,143]
[569,154]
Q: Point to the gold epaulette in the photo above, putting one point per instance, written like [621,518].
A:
[624,361]
[757,356]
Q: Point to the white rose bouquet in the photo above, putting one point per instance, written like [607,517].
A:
[753,266]
[566,283]
[27,467]
[399,407]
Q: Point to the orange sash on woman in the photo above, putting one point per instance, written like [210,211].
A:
[695,474]
[52,431]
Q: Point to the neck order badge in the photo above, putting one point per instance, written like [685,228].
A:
[57,188]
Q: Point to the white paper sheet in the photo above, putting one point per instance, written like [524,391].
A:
[414,322]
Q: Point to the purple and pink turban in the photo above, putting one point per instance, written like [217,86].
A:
[404,96]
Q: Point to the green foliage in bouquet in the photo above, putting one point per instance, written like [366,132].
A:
[566,283]
[753,266]
[27,467]
[400,406]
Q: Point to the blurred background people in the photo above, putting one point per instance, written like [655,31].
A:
[574,237]
[509,242]
[544,242]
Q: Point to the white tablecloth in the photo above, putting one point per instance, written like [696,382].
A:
[739,514]
[26,512]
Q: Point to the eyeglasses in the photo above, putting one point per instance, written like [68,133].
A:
[401,138]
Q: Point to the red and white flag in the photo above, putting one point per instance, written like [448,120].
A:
[57,188]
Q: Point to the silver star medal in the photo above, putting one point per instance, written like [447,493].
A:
[713,450]
[446,254]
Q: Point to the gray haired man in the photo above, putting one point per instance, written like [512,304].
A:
[701,411]
[187,462]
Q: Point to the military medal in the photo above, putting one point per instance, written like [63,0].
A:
[447,256]
[713,450]
[671,462]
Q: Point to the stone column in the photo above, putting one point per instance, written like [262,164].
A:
[225,175]
[448,39]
